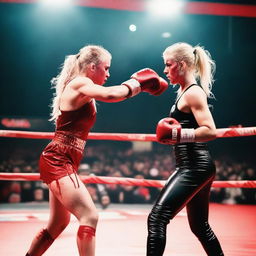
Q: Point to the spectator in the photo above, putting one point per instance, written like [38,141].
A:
[14,198]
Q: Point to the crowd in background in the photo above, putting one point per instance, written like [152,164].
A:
[120,160]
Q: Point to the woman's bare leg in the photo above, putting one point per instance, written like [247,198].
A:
[77,200]
[59,219]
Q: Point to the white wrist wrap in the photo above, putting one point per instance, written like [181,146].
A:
[174,134]
[134,87]
[187,135]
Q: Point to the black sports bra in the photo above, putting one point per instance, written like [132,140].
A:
[187,120]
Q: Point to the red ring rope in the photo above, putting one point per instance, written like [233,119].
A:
[126,181]
[221,133]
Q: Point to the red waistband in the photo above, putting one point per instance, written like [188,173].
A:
[69,140]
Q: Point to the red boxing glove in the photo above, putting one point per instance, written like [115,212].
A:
[169,131]
[163,86]
[146,80]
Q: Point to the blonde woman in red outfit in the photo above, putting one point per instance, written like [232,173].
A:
[78,85]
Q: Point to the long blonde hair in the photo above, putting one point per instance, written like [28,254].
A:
[73,66]
[196,58]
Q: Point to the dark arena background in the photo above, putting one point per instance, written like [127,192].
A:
[35,37]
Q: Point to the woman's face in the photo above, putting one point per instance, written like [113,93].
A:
[172,71]
[101,72]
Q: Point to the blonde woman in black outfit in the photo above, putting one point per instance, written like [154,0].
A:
[189,126]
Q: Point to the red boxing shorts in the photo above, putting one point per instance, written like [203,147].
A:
[61,157]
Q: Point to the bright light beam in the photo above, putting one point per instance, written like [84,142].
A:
[56,3]
[165,7]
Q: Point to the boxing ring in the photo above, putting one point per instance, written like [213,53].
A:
[122,228]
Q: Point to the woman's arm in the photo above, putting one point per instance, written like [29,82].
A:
[197,101]
[145,80]
[85,86]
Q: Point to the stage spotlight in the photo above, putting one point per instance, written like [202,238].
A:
[56,3]
[165,7]
[132,28]
[166,34]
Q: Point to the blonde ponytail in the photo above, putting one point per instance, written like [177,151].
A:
[205,68]
[68,72]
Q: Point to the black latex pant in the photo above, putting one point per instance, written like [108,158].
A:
[190,188]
